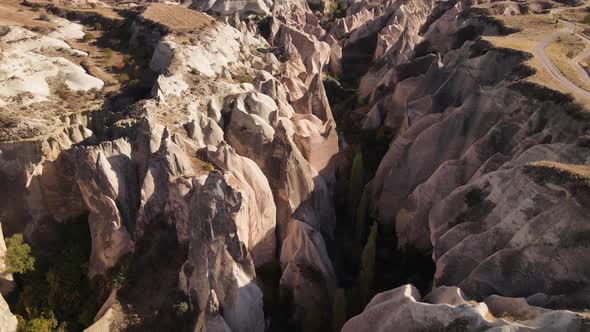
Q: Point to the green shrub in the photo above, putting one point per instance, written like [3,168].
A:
[208,167]
[86,317]
[356,183]
[58,289]
[361,215]
[108,53]
[245,78]
[142,53]
[123,77]
[44,323]
[36,7]
[97,26]
[88,37]
[181,308]
[284,57]
[368,264]
[474,197]
[18,257]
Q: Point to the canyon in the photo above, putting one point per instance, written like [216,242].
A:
[294,165]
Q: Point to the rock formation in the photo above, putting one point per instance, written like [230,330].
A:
[403,309]
[7,320]
[229,165]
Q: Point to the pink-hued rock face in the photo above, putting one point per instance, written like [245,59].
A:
[210,178]
[402,309]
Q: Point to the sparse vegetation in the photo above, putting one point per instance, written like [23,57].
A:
[44,17]
[108,53]
[335,10]
[208,167]
[339,310]
[57,293]
[474,197]
[284,57]
[245,78]
[44,323]
[18,257]
[362,215]
[181,308]
[97,26]
[356,183]
[368,256]
[36,7]
[123,77]
[88,37]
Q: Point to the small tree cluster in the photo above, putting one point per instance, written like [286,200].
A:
[43,323]
[88,37]
[181,308]
[18,257]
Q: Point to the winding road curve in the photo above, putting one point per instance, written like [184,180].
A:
[541,55]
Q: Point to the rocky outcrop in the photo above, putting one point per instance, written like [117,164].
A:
[551,217]
[486,173]
[8,321]
[480,146]
[103,178]
[25,71]
[6,279]
[234,151]
[234,154]
[218,275]
[446,308]
[224,7]
[308,274]
[257,216]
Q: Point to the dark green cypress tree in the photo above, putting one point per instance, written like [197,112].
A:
[367,273]
[356,183]
[339,309]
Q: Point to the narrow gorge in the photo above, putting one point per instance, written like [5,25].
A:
[294,165]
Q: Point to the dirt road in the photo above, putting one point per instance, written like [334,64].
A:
[541,55]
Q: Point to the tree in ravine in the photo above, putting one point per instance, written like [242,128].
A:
[355,185]
[361,216]
[367,273]
[18,257]
[339,310]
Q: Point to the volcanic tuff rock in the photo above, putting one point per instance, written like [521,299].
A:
[235,151]
[486,129]
[8,321]
[220,102]
[446,308]
[218,267]
[484,172]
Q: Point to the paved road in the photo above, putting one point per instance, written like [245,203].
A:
[541,55]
